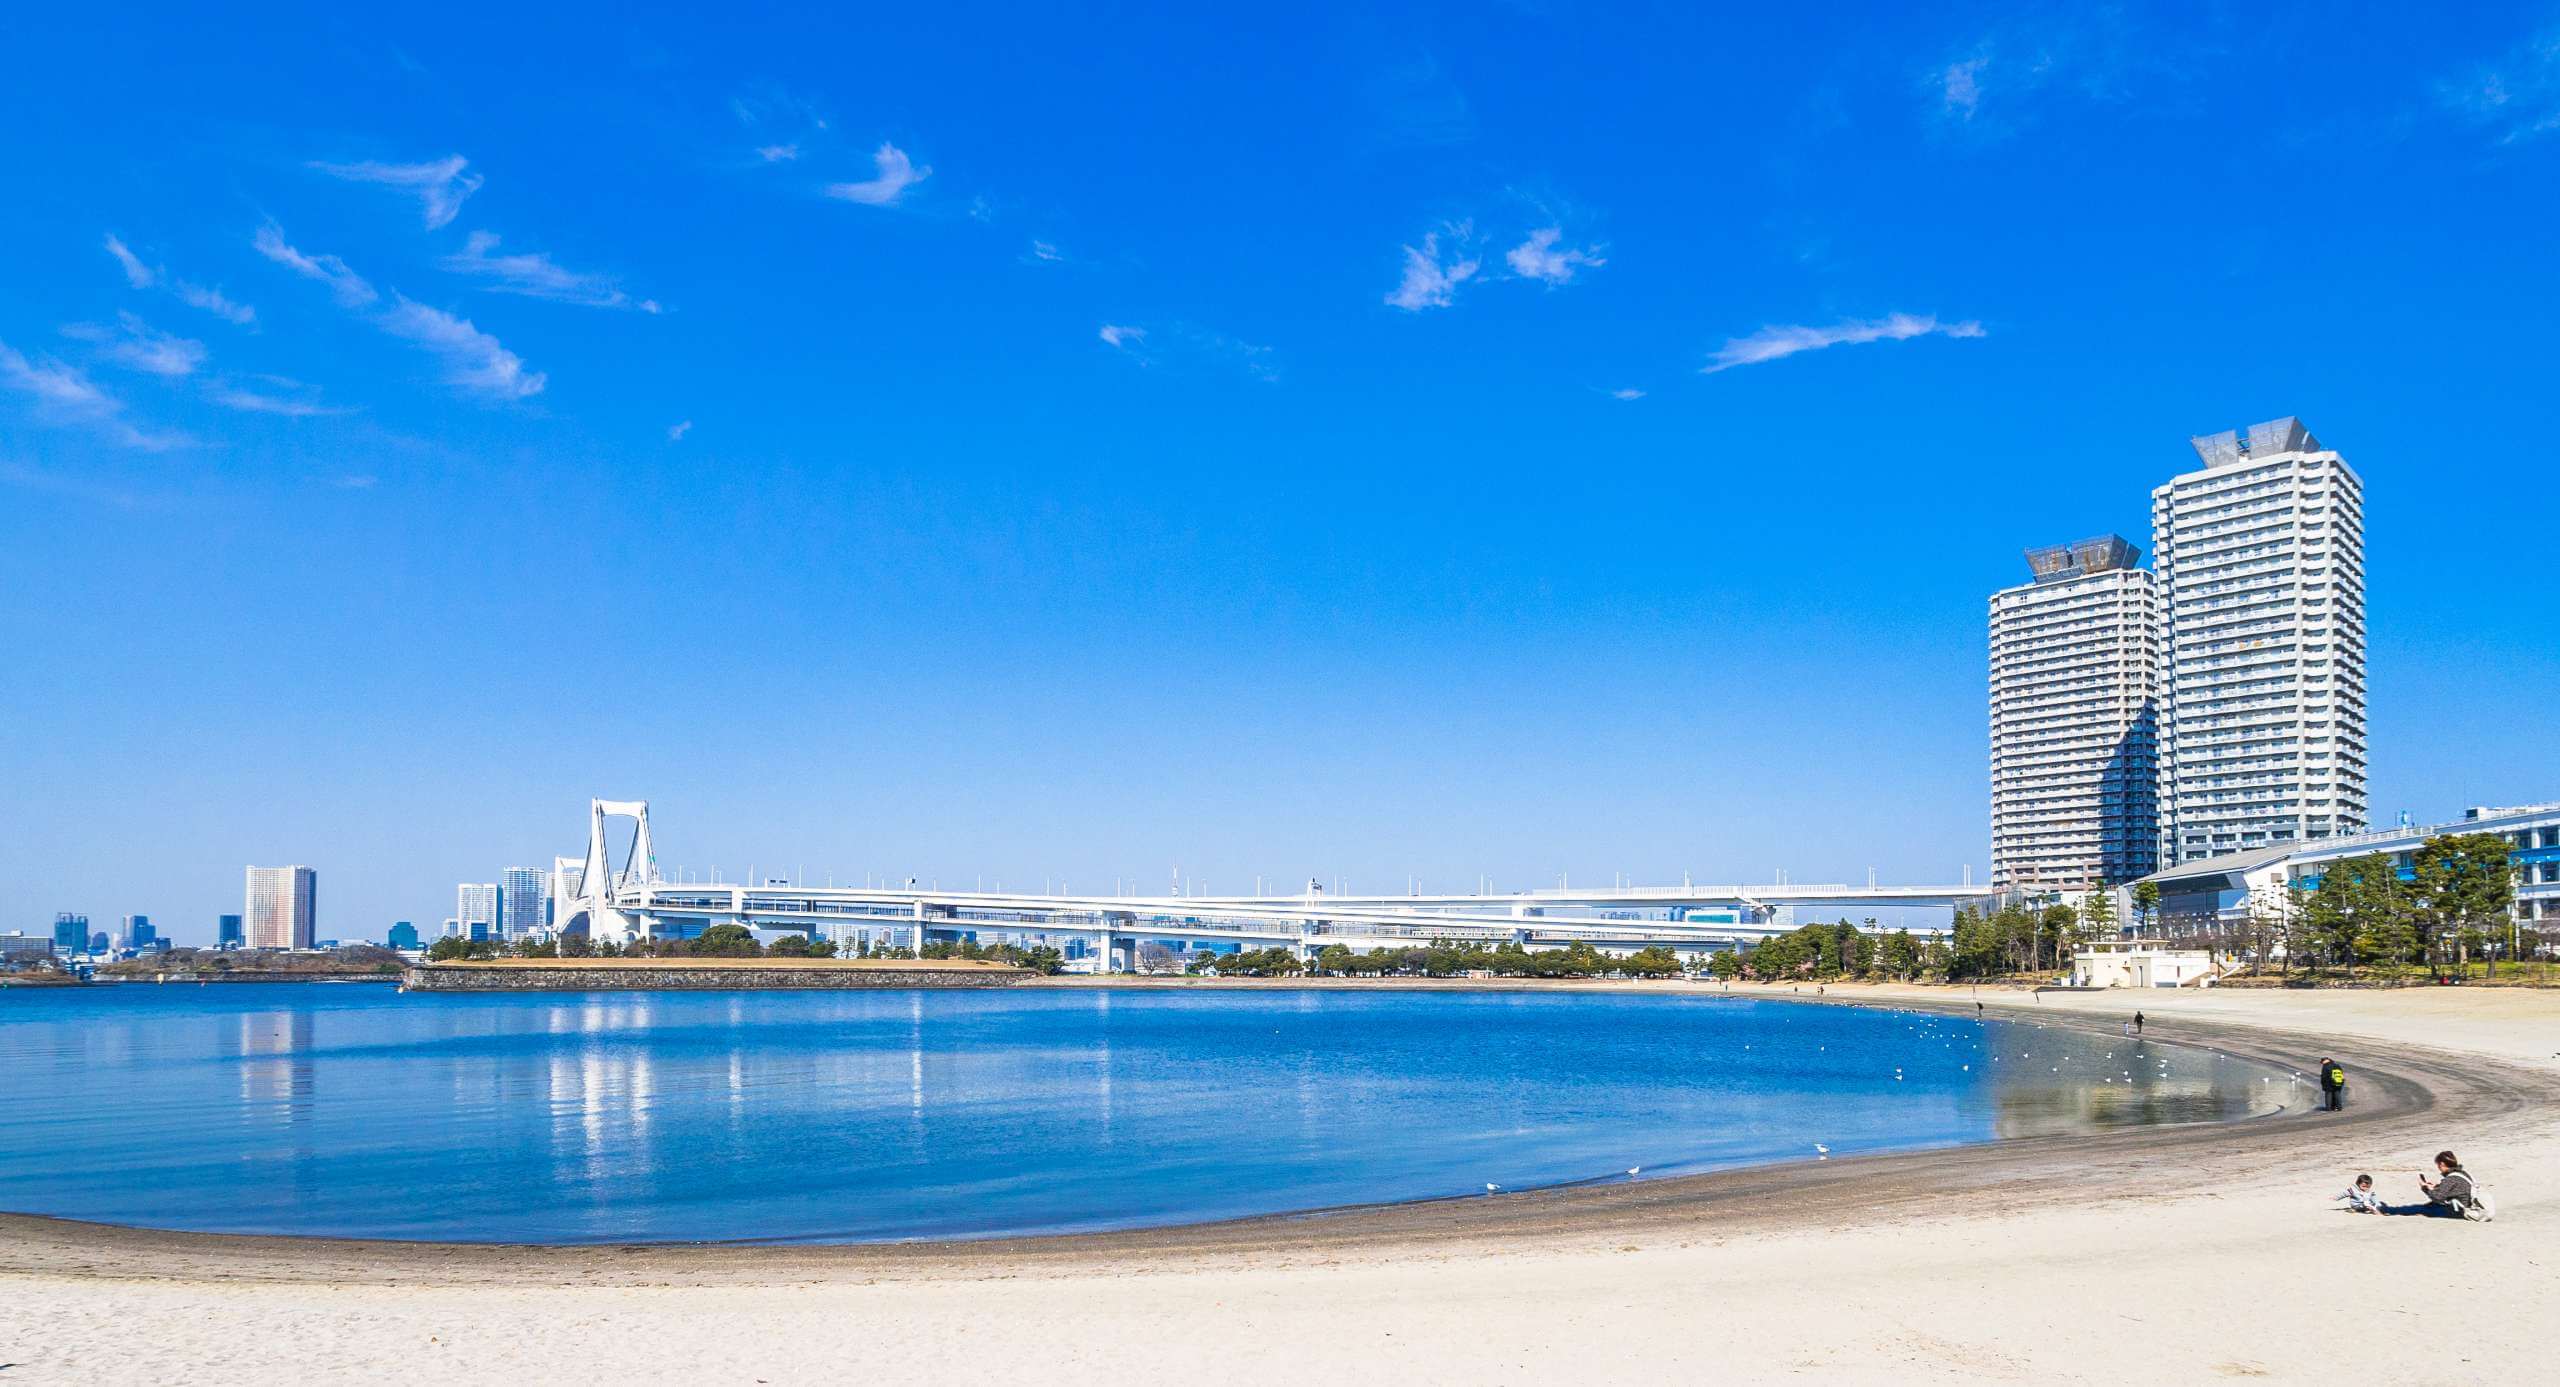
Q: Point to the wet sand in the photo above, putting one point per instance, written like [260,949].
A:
[2174,1254]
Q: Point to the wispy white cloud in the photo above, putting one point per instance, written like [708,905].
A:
[1045,253]
[2106,54]
[1430,281]
[1960,86]
[440,185]
[145,276]
[473,359]
[1626,393]
[2518,96]
[348,287]
[137,274]
[534,275]
[1183,345]
[63,396]
[289,399]
[677,431]
[135,343]
[897,173]
[778,153]
[1772,343]
[214,302]
[1540,258]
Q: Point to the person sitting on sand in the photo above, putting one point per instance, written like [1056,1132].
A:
[2452,1194]
[2360,1198]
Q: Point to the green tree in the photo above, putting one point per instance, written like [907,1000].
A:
[2097,914]
[2057,926]
[724,941]
[2327,914]
[2146,904]
[1654,962]
[1898,956]
[1334,959]
[2464,883]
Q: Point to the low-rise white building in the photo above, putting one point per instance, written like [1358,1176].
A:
[2140,963]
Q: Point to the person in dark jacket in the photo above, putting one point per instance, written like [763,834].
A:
[2333,1085]
[2450,1195]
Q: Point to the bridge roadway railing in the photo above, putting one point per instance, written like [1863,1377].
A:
[1161,917]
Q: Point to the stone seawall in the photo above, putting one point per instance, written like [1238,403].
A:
[680,977]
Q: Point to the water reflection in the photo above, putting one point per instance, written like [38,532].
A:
[924,1114]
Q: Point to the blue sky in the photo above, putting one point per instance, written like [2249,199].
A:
[1068,444]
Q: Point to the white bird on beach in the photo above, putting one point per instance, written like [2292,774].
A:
[1633,1169]
[1821,1152]
[1490,1187]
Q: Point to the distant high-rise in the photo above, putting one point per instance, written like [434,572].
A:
[521,891]
[2074,683]
[2260,561]
[475,909]
[138,932]
[403,935]
[226,932]
[99,943]
[70,933]
[283,908]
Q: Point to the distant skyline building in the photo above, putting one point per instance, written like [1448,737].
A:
[2259,557]
[138,932]
[283,908]
[403,935]
[475,909]
[522,893]
[70,933]
[2074,688]
[226,932]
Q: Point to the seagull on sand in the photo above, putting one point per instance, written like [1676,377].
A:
[1821,1152]
[1490,1187]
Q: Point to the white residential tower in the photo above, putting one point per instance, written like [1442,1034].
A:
[2074,679]
[2260,559]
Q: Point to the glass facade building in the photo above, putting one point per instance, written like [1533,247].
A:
[522,896]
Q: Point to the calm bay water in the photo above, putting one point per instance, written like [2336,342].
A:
[861,1116]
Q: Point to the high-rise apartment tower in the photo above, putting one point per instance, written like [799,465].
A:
[283,908]
[2260,560]
[2074,682]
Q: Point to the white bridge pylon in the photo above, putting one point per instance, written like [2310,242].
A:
[588,906]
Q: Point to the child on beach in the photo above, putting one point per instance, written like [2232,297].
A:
[2360,1198]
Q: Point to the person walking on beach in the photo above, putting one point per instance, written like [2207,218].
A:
[2333,1086]
[2137,1023]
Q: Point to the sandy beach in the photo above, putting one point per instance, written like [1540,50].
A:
[2175,1255]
